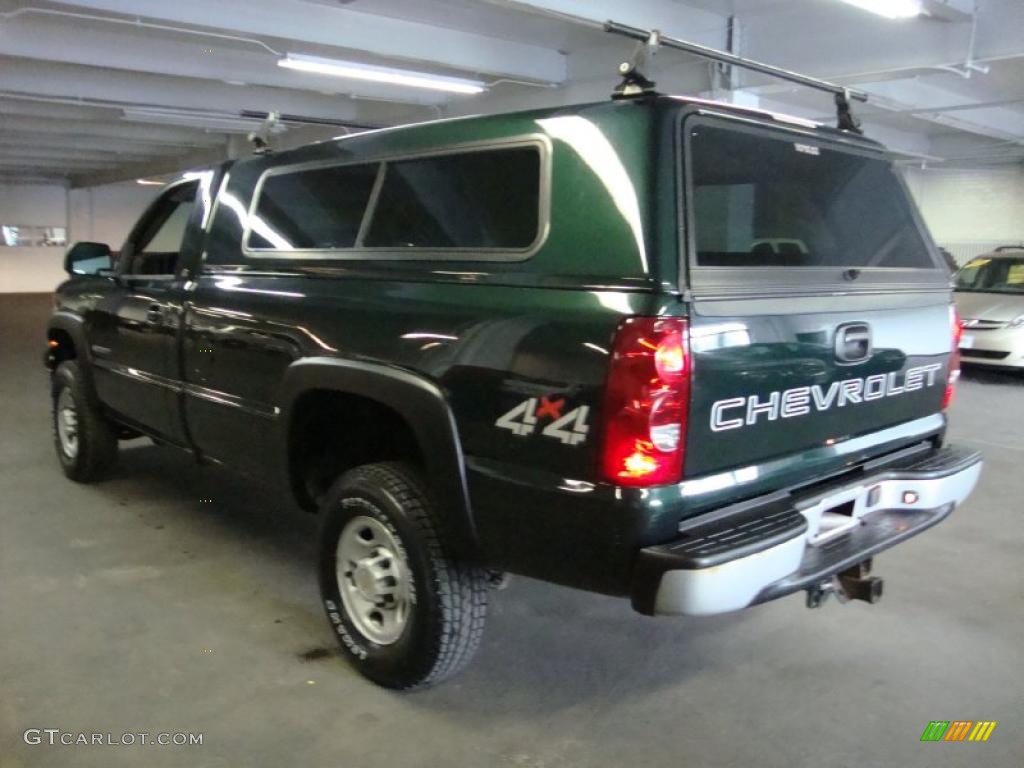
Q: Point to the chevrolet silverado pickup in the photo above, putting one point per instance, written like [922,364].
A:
[690,354]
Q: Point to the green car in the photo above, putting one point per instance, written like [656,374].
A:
[671,350]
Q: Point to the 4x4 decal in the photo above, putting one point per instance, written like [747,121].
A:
[570,429]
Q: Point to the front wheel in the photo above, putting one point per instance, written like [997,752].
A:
[406,613]
[85,440]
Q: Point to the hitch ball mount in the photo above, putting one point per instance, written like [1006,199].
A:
[852,584]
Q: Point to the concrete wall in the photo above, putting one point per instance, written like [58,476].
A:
[32,269]
[970,211]
[105,214]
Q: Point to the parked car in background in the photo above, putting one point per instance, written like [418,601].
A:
[990,299]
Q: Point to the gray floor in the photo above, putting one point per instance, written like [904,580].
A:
[134,605]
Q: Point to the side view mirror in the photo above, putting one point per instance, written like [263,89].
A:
[87,259]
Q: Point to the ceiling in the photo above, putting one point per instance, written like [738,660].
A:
[93,91]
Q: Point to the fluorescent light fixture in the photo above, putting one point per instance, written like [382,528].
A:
[890,9]
[149,182]
[356,71]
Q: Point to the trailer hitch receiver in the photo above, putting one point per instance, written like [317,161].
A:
[852,584]
[857,584]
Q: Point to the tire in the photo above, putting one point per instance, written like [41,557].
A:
[429,625]
[85,440]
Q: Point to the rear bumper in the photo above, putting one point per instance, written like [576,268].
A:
[750,553]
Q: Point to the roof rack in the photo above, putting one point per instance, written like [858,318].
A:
[635,83]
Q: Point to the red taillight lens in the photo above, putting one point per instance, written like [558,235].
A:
[646,401]
[954,357]
[670,356]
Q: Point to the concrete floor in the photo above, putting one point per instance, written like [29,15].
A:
[133,605]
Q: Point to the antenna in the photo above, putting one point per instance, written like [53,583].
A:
[633,81]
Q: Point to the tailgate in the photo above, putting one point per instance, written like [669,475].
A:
[769,377]
[820,308]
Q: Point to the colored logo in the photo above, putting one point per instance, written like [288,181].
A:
[958,730]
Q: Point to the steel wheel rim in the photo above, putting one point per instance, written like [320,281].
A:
[374,579]
[67,423]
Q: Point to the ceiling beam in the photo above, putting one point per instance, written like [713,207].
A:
[672,18]
[161,167]
[110,145]
[937,98]
[321,24]
[63,166]
[153,134]
[846,41]
[143,89]
[920,96]
[36,107]
[56,153]
[17,177]
[949,10]
[55,38]
[960,107]
[960,145]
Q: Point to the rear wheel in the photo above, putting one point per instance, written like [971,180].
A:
[85,440]
[406,613]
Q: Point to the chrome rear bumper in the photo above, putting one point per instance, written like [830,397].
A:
[727,560]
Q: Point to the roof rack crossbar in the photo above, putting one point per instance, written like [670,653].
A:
[842,94]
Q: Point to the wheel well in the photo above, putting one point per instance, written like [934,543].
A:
[65,346]
[331,432]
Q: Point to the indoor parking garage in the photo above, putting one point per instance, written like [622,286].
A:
[528,383]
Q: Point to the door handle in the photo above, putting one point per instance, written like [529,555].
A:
[154,314]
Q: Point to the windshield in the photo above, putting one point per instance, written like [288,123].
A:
[767,200]
[988,275]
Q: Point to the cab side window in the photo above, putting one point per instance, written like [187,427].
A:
[156,245]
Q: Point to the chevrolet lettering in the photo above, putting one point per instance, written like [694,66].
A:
[800,401]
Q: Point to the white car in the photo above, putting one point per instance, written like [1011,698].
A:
[990,300]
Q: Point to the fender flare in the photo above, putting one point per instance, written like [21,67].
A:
[74,326]
[423,406]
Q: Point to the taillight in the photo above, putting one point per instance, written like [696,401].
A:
[954,357]
[646,401]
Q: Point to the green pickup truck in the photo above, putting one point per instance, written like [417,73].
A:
[691,354]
